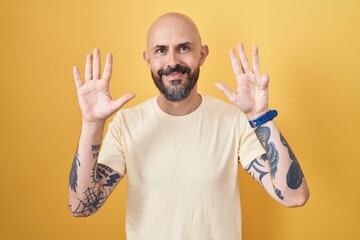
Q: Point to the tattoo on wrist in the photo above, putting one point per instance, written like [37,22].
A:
[295,175]
[263,133]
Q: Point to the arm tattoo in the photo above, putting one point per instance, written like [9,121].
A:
[95,148]
[263,133]
[103,178]
[278,193]
[95,197]
[76,164]
[73,173]
[107,173]
[93,200]
[256,167]
[295,175]
[95,176]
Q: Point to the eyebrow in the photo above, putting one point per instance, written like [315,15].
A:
[179,45]
[185,44]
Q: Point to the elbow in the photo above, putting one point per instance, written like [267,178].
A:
[76,214]
[74,210]
[298,201]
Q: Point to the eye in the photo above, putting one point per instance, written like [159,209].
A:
[184,49]
[160,51]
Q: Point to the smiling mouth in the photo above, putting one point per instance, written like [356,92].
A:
[175,75]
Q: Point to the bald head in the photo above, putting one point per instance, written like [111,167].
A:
[174,55]
[172,27]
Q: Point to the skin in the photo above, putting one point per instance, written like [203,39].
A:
[174,39]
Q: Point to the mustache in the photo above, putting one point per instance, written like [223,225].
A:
[178,68]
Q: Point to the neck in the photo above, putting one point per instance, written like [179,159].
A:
[184,107]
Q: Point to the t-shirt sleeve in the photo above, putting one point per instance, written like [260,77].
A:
[250,146]
[112,153]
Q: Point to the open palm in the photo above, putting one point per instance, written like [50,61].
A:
[94,98]
[252,93]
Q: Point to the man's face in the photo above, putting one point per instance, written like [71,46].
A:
[174,55]
[180,79]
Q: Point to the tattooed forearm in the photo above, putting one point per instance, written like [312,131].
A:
[95,148]
[95,174]
[73,178]
[107,173]
[73,172]
[93,200]
[256,169]
[104,179]
[93,192]
[295,175]
[263,133]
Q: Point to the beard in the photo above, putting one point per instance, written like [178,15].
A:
[177,91]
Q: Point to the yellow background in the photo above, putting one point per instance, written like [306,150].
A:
[309,48]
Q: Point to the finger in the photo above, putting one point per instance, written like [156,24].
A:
[235,63]
[264,81]
[118,103]
[226,90]
[77,77]
[88,68]
[96,64]
[108,67]
[255,60]
[243,58]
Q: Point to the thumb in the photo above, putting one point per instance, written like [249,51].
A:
[118,103]
[226,90]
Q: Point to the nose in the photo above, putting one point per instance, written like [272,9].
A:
[173,59]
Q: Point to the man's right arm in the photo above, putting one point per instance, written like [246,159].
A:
[90,183]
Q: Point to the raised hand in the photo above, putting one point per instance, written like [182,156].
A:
[94,98]
[252,93]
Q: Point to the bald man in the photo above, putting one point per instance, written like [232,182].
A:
[180,149]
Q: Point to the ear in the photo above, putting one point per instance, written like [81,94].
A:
[204,51]
[146,58]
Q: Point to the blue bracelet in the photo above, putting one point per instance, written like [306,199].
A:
[268,116]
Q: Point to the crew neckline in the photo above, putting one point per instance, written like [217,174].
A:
[172,118]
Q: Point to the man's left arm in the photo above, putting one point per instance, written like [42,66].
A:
[278,171]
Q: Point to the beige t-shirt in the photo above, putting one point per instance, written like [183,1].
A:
[182,170]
